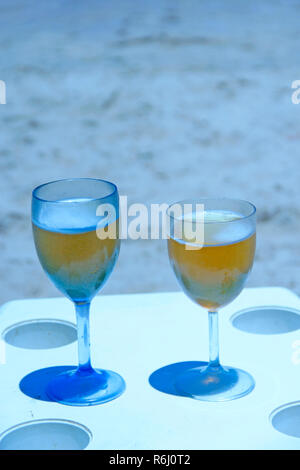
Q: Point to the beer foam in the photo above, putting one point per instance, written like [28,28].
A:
[215,216]
[218,229]
[73,215]
[210,216]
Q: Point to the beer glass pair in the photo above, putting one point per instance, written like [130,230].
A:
[72,226]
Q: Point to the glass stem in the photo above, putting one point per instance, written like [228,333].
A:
[83,334]
[213,339]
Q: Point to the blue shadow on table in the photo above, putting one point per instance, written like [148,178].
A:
[34,385]
[163,379]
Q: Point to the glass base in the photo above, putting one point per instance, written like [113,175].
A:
[209,383]
[84,388]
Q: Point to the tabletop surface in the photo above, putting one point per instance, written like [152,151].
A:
[136,335]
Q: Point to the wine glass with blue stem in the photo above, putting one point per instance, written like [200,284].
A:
[76,233]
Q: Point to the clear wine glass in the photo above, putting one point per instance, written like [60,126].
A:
[212,273]
[75,229]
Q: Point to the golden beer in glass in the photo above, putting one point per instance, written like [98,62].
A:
[212,273]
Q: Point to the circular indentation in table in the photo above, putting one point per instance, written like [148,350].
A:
[269,320]
[286,419]
[46,435]
[40,334]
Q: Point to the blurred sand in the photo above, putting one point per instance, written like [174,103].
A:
[168,99]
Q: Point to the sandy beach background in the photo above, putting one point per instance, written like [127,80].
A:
[169,99]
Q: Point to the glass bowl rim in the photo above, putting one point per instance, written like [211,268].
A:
[37,188]
[253,211]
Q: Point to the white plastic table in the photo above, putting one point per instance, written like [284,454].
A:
[138,334]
